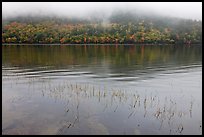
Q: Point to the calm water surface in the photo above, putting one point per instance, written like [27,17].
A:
[102,89]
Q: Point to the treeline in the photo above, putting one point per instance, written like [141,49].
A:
[121,28]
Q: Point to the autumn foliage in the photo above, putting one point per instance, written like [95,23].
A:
[142,31]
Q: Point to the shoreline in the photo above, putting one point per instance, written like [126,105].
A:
[59,44]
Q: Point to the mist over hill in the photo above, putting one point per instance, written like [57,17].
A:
[185,10]
[115,23]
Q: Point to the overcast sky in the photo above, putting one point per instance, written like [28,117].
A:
[190,10]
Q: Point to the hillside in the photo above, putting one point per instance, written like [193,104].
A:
[120,27]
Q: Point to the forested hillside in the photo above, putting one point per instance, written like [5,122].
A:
[120,27]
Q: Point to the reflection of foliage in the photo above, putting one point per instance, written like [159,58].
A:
[115,56]
[147,30]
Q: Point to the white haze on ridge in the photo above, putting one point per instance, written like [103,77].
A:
[188,10]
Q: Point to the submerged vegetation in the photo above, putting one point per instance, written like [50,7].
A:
[167,112]
[120,28]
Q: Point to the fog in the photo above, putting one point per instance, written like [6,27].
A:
[188,10]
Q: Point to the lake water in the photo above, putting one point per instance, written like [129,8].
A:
[102,89]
